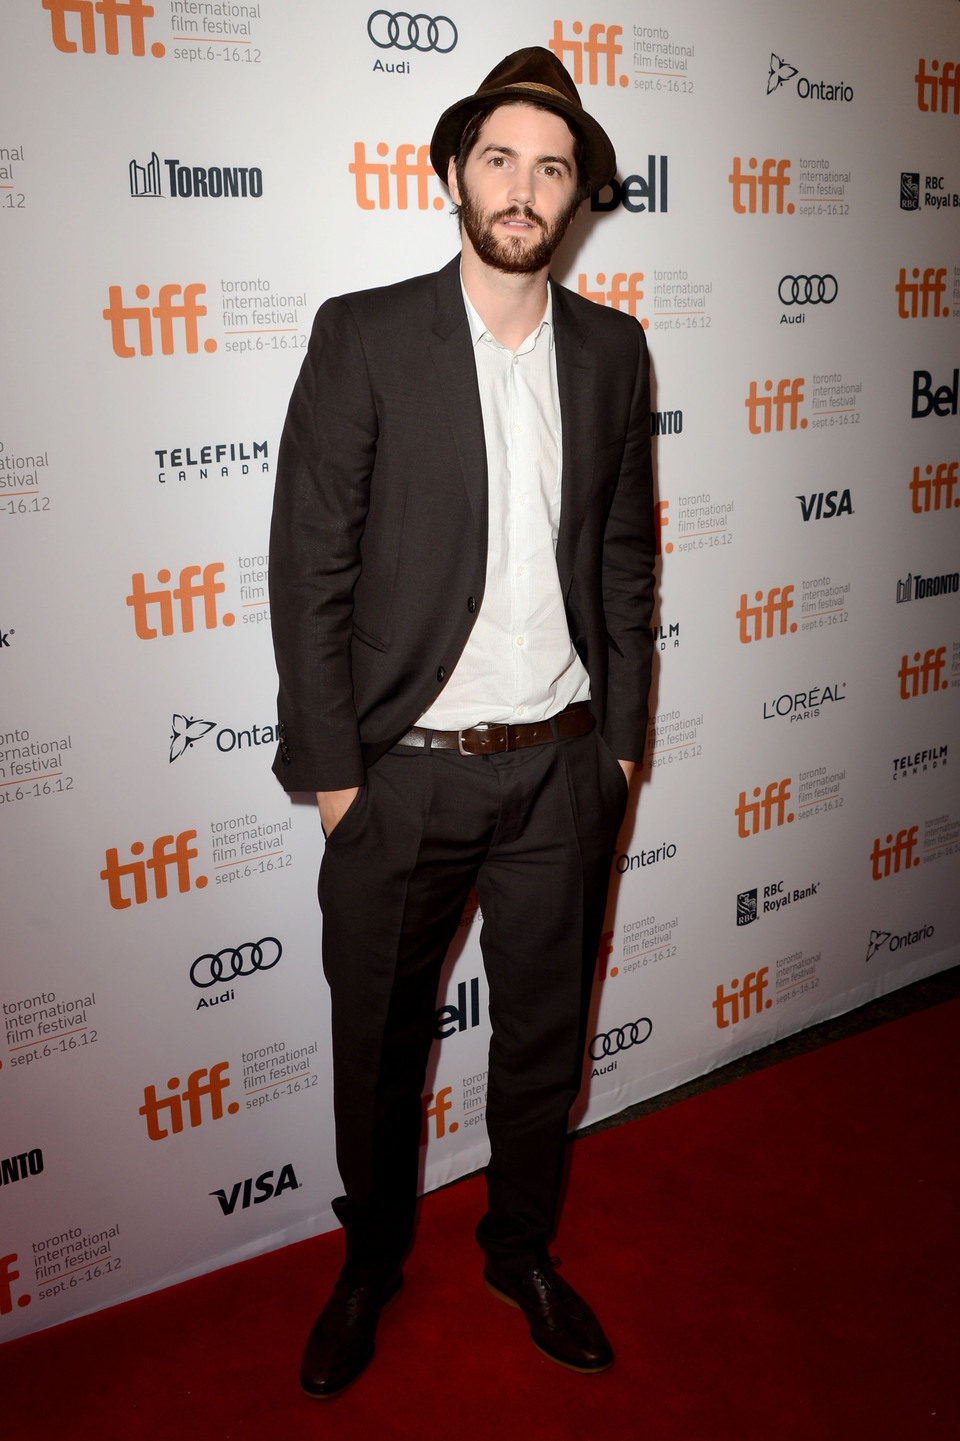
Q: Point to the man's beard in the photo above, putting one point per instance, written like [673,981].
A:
[515,254]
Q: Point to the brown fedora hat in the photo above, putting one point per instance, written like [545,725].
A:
[533,74]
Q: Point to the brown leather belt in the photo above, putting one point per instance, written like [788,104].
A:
[489,738]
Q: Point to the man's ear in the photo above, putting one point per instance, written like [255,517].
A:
[452,185]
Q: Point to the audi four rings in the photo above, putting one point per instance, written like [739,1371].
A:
[808,289]
[622,1039]
[387,32]
[259,953]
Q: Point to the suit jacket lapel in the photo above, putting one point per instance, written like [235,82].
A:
[578,417]
[452,353]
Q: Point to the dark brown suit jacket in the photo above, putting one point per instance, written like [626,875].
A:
[379,537]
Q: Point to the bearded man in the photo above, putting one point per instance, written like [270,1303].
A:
[461,589]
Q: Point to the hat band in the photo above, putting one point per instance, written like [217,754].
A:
[544,90]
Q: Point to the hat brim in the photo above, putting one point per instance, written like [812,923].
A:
[599,157]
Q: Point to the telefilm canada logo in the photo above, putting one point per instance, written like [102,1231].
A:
[782,74]
[175,180]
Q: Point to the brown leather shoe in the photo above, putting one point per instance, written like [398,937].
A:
[341,1341]
[562,1325]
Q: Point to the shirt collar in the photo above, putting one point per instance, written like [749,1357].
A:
[478,331]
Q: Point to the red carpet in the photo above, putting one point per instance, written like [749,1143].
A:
[774,1260]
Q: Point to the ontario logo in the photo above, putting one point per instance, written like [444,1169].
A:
[186,731]
[196,182]
[781,73]
[890,941]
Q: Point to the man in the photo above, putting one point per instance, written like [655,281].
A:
[461,589]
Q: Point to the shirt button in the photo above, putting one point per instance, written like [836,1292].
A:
[441,673]
[471,604]
[521,710]
[519,640]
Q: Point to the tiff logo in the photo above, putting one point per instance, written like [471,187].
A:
[624,291]
[601,43]
[189,311]
[768,412]
[192,1097]
[768,617]
[742,1001]
[187,592]
[894,855]
[437,1114]
[774,179]
[7,1277]
[768,808]
[166,851]
[661,519]
[923,675]
[940,87]
[412,162]
[934,491]
[914,296]
[111,13]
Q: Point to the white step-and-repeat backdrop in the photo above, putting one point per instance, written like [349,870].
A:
[181,184]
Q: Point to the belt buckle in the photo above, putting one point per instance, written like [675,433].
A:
[484,727]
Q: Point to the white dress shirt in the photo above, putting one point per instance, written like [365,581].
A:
[519,663]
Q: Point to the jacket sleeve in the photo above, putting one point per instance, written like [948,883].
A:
[324,467]
[629,556]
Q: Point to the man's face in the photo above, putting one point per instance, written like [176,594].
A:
[518,191]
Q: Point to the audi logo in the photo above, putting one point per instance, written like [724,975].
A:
[808,289]
[387,33]
[622,1039]
[232,961]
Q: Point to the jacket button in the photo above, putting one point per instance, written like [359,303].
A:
[471,604]
[441,673]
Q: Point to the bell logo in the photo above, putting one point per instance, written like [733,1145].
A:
[166,851]
[624,291]
[165,312]
[636,193]
[111,12]
[894,855]
[7,1277]
[594,47]
[774,178]
[412,162]
[920,298]
[942,401]
[742,1001]
[924,674]
[437,1114]
[939,87]
[192,1097]
[186,592]
[768,617]
[768,808]
[768,412]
